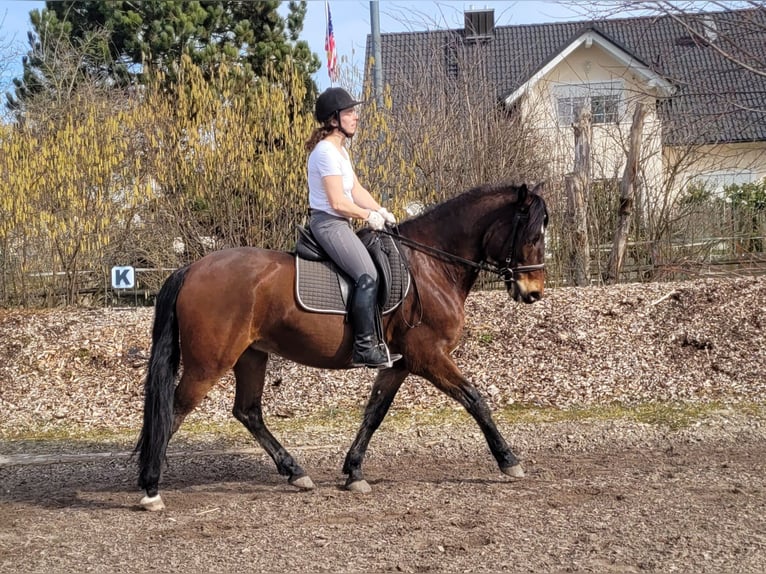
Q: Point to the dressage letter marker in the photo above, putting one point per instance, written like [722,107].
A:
[123,277]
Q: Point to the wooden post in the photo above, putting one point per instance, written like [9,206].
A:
[577,186]
[628,186]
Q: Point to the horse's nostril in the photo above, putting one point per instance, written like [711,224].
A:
[533,296]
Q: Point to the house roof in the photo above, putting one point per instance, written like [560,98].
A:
[714,98]
[592,36]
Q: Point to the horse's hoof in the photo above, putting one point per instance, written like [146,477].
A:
[152,503]
[304,482]
[359,486]
[514,471]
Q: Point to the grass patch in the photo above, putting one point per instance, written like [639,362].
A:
[485,338]
[675,416]
[67,432]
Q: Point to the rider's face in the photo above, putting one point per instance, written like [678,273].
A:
[348,120]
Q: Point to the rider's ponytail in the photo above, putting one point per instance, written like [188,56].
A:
[318,135]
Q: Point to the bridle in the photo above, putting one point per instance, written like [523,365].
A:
[507,272]
[511,268]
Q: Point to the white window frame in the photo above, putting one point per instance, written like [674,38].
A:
[567,99]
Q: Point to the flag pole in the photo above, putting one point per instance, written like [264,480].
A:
[377,59]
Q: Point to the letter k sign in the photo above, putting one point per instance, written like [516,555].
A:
[123,277]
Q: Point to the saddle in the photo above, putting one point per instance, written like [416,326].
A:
[322,287]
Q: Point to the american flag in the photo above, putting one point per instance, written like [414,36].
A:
[329,47]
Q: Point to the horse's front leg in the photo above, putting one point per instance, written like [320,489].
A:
[250,372]
[445,376]
[383,392]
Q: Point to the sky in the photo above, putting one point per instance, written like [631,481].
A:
[351,23]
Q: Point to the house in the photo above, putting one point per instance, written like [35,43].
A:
[702,78]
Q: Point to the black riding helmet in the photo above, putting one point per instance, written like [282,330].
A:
[331,102]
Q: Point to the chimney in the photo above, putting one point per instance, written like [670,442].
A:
[479,24]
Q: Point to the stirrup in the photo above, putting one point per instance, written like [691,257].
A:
[387,363]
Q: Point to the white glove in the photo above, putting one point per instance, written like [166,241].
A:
[388,216]
[375,220]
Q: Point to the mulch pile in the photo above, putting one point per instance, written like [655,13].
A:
[685,341]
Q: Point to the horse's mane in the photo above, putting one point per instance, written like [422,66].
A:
[436,213]
[465,198]
[538,212]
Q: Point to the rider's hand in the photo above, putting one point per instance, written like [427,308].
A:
[388,216]
[376,221]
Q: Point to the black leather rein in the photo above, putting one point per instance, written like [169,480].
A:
[507,272]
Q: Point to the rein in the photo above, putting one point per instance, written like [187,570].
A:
[434,251]
[506,272]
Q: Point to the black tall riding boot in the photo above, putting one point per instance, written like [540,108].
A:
[370,349]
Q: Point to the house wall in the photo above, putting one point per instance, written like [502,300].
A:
[717,164]
[609,142]
[664,172]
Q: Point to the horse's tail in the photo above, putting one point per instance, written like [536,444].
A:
[160,383]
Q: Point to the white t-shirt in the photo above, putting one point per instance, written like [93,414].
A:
[324,160]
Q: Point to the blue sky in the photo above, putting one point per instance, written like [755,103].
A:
[351,21]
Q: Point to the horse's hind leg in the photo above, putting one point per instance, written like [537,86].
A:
[191,389]
[383,392]
[250,372]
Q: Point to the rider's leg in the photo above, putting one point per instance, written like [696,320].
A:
[338,239]
[370,349]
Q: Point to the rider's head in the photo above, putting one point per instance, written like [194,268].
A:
[329,106]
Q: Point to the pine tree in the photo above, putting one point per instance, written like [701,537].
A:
[116,44]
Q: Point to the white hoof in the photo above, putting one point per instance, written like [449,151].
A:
[152,503]
[304,483]
[514,471]
[359,486]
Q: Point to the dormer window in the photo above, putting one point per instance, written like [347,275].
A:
[605,100]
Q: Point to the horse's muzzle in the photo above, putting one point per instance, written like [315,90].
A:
[521,294]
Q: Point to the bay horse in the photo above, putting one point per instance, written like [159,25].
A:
[232,308]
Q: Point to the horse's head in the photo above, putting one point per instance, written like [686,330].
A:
[516,244]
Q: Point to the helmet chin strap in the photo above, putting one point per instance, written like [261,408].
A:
[341,129]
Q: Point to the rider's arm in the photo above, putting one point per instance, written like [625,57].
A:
[333,186]
[362,197]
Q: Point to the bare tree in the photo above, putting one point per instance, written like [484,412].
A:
[577,186]
[728,43]
[443,131]
[627,196]
[10,52]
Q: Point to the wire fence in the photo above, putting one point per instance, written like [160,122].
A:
[703,258]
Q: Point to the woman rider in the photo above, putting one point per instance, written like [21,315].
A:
[335,198]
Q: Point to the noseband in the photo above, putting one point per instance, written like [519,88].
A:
[507,272]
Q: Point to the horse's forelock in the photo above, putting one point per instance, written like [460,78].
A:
[538,212]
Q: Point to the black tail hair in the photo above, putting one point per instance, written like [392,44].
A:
[160,383]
